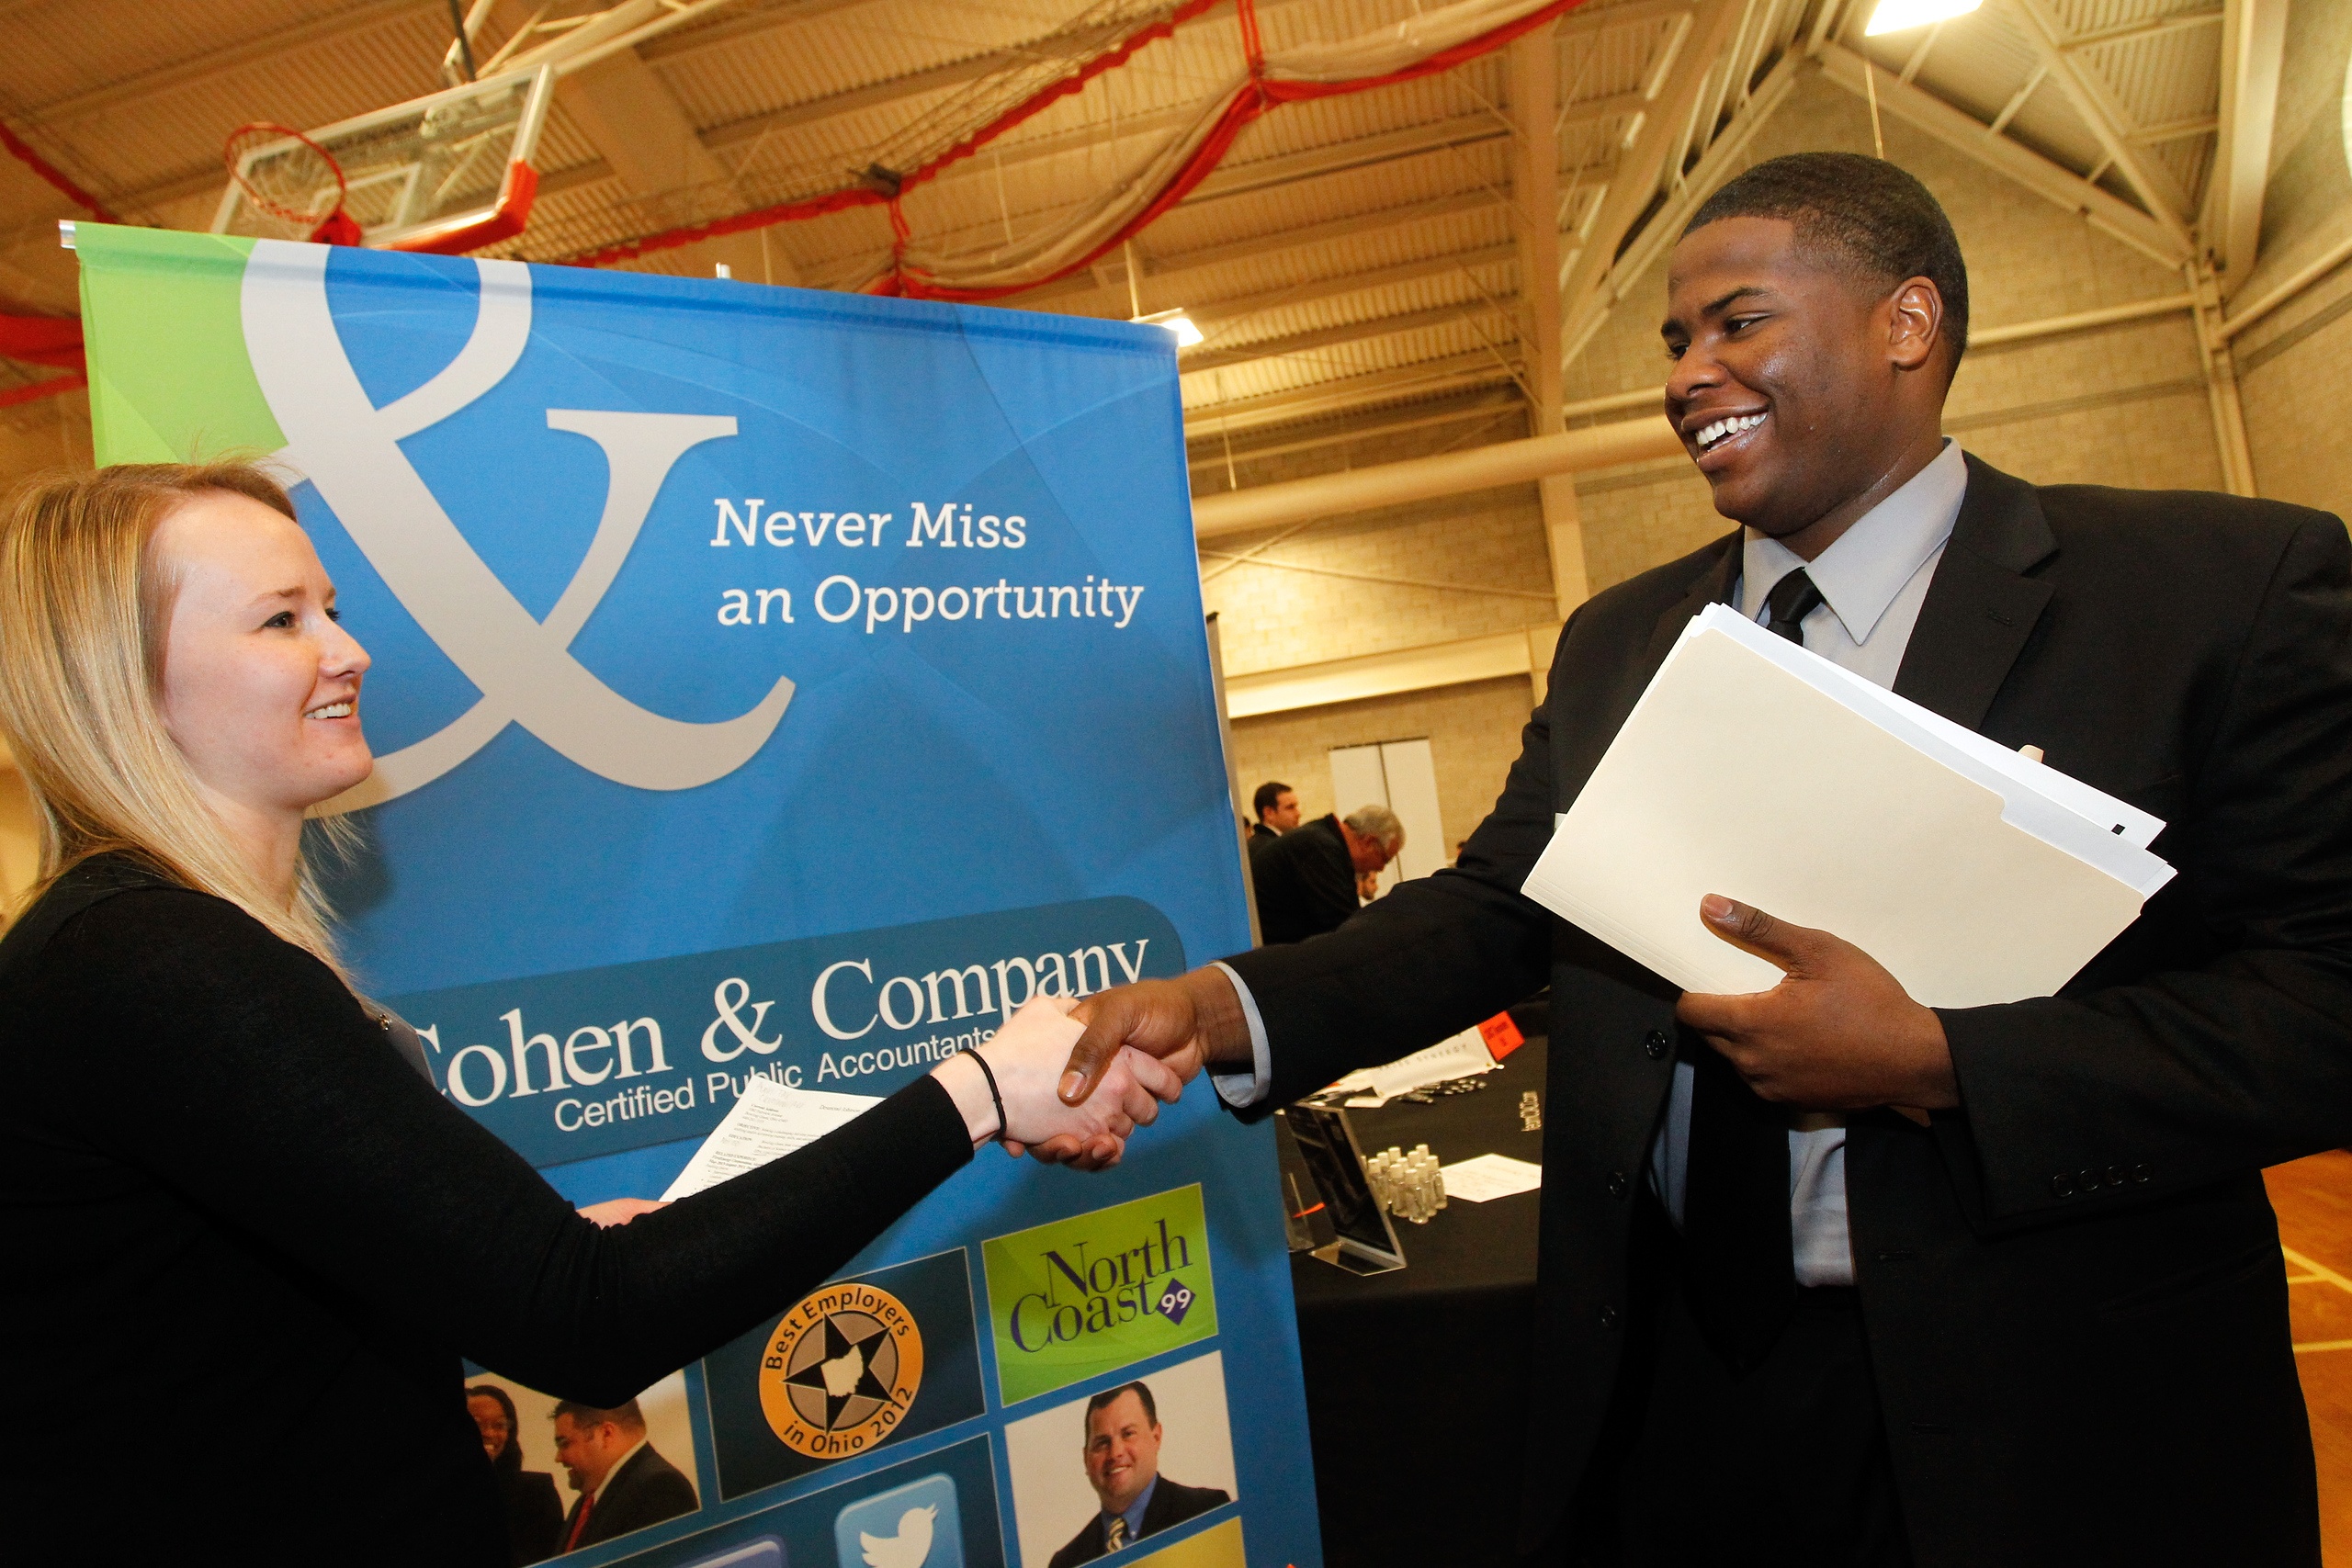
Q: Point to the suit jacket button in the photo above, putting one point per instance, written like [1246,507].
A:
[1655,1044]
[1608,1318]
[2117,1176]
[2140,1173]
[2061,1186]
[1617,1186]
[2087,1180]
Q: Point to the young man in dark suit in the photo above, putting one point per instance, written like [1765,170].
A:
[1276,805]
[624,1484]
[1122,1457]
[1828,1276]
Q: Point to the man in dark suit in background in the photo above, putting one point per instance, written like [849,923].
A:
[1276,805]
[1123,1466]
[1828,1276]
[1305,880]
[623,1482]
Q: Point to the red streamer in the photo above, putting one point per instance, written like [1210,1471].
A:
[54,340]
[23,153]
[39,389]
[1252,99]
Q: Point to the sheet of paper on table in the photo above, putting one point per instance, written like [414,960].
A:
[1755,769]
[1456,1057]
[768,1121]
[1490,1176]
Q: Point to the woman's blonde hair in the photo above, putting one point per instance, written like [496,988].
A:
[85,607]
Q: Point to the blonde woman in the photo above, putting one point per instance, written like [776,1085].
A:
[247,1241]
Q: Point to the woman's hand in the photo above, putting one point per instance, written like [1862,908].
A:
[1028,1056]
[618,1211]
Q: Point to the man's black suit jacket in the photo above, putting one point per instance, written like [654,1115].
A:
[1169,1504]
[1305,881]
[646,1490]
[2072,1285]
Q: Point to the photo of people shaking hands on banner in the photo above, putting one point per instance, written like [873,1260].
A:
[572,1476]
[1122,1464]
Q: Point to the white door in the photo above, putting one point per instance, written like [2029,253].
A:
[1402,776]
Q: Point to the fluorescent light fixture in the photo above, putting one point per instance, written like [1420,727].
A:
[1176,321]
[1893,16]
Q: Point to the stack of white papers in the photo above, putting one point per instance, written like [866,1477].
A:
[1456,1057]
[1760,771]
[768,1121]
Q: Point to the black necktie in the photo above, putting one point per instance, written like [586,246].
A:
[1738,1268]
[1792,599]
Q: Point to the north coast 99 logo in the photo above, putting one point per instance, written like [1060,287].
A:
[841,1370]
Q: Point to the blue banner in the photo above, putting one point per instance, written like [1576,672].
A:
[782,682]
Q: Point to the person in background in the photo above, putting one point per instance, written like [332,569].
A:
[1122,1455]
[624,1484]
[207,1125]
[1306,879]
[534,1513]
[1277,808]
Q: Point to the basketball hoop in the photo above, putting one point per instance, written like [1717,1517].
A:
[451,172]
[293,179]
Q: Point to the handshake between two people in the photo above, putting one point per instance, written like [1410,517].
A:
[1068,1082]
[1838,1033]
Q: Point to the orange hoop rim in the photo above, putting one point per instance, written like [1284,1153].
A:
[276,132]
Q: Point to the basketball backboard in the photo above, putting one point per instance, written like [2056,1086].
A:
[447,173]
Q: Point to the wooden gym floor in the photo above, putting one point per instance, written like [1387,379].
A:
[2313,1198]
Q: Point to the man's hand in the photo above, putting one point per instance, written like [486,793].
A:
[618,1211]
[1191,1021]
[1837,1034]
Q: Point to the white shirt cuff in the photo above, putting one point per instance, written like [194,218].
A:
[1241,1090]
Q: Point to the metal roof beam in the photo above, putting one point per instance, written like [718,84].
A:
[1182,265]
[2254,42]
[685,44]
[1585,22]
[2125,32]
[1965,133]
[232,58]
[1216,315]
[1664,133]
[1213,453]
[1534,70]
[1711,171]
[914,85]
[2108,125]
[1426,378]
[1291,343]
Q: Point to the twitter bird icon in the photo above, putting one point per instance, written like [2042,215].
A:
[914,1525]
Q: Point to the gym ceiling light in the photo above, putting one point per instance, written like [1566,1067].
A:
[1893,16]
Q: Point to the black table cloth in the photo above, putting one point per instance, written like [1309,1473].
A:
[1414,1386]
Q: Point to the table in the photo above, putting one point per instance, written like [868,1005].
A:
[1414,1385]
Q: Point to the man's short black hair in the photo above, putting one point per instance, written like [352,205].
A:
[1269,795]
[1110,1396]
[1879,220]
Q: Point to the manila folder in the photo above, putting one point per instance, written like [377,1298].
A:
[1735,776]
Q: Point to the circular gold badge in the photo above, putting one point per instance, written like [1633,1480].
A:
[841,1370]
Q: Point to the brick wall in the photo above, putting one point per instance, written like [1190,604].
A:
[1489,546]
[2295,367]
[1473,732]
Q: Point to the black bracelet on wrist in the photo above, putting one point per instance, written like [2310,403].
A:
[994,1096]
